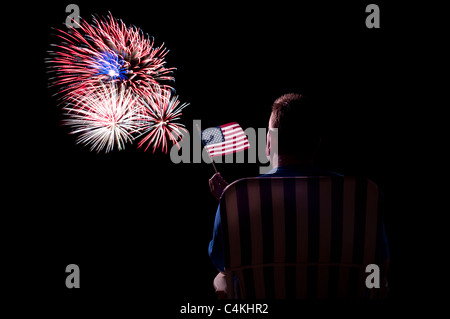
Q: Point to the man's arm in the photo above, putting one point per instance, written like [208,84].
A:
[215,249]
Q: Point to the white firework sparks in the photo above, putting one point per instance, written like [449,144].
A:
[105,118]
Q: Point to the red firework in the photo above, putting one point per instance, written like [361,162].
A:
[161,112]
[107,51]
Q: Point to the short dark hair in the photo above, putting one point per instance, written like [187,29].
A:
[298,123]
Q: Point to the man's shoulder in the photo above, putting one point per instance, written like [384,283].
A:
[299,171]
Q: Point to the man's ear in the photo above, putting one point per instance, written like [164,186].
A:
[268,144]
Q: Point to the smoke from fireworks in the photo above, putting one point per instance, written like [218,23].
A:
[109,78]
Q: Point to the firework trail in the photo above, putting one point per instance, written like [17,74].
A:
[160,113]
[108,119]
[107,51]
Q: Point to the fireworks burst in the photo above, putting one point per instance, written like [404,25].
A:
[108,119]
[107,51]
[163,110]
[109,77]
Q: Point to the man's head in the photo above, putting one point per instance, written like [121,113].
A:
[296,119]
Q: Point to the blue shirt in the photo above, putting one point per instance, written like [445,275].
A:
[216,250]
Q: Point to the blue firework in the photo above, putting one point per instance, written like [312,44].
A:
[110,65]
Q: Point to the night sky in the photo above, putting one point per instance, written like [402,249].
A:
[138,225]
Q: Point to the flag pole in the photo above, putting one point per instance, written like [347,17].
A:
[212,161]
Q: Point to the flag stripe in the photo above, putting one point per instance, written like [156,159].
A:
[230,151]
[227,143]
[229,124]
[227,148]
[231,130]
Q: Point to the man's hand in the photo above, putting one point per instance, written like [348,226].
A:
[217,184]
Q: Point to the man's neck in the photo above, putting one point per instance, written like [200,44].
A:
[285,160]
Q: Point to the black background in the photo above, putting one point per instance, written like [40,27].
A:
[137,225]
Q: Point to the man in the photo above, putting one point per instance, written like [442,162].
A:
[291,150]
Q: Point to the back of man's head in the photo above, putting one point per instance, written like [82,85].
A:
[297,119]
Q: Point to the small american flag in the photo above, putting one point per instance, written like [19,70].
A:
[225,139]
